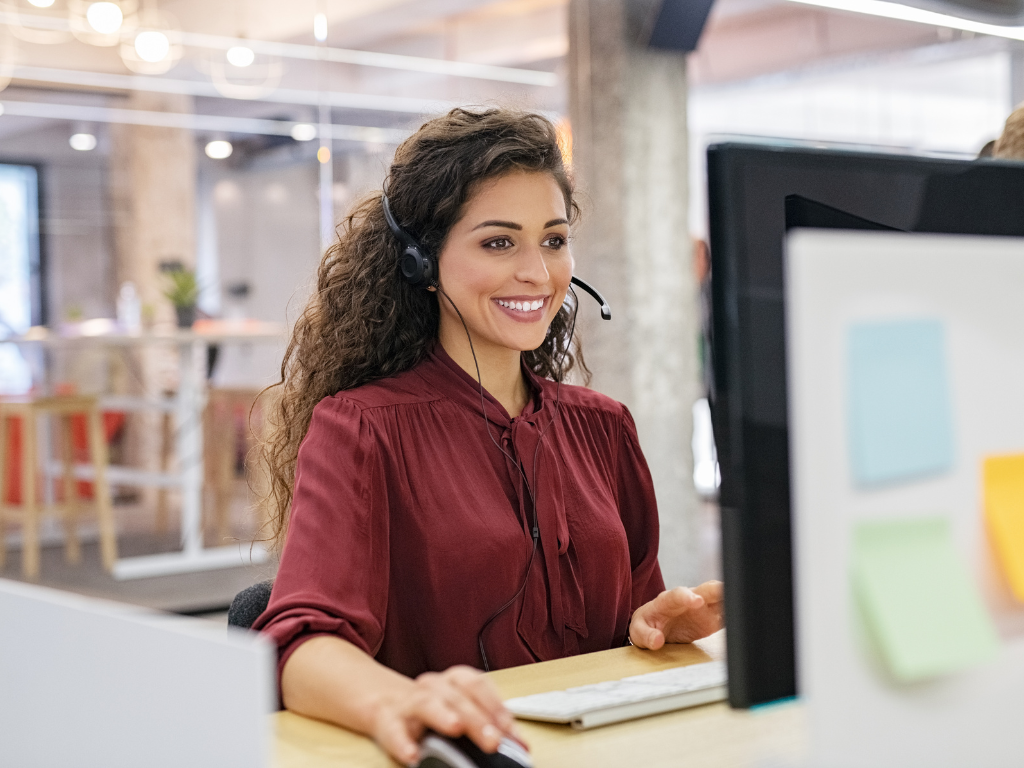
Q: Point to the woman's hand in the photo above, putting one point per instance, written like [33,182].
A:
[457,702]
[678,615]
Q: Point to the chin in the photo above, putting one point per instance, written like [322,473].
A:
[522,344]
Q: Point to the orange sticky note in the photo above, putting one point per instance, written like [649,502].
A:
[1004,514]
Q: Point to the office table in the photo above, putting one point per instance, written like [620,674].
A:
[711,736]
[187,406]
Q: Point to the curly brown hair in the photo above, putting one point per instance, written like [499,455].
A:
[1010,145]
[364,321]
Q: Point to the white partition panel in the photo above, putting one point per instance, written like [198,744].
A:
[90,683]
[973,287]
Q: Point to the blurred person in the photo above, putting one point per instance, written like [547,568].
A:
[445,503]
[1010,145]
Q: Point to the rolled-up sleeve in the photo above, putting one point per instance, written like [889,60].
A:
[639,512]
[333,576]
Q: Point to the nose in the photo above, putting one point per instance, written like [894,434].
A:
[531,266]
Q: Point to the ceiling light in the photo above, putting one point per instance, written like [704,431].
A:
[323,155]
[240,56]
[41,3]
[218,150]
[83,142]
[919,15]
[320,27]
[105,18]
[152,46]
[303,132]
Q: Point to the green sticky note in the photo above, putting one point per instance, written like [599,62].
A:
[917,598]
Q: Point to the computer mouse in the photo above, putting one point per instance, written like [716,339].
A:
[437,751]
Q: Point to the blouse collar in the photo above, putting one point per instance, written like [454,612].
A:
[449,378]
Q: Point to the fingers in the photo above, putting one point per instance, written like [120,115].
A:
[646,636]
[482,691]
[673,602]
[400,737]
[711,591]
[464,702]
[645,630]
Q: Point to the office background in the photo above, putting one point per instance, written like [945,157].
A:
[121,147]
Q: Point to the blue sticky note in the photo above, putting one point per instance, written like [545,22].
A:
[900,425]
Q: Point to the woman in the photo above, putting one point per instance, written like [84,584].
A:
[452,505]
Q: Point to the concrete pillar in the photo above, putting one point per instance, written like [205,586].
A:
[153,202]
[153,190]
[628,115]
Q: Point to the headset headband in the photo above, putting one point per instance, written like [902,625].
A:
[396,229]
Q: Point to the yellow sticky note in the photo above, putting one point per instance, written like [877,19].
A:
[1004,514]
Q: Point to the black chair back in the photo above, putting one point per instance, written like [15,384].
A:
[249,604]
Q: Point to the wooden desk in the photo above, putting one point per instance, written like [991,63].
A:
[712,736]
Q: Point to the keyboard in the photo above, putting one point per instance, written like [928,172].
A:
[588,706]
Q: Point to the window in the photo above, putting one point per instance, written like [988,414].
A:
[20,293]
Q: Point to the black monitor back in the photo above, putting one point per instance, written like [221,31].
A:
[752,190]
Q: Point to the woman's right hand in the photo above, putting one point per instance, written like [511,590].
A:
[457,702]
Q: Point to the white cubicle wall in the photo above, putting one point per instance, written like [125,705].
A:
[95,684]
[970,288]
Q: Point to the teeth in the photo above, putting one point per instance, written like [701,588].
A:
[522,306]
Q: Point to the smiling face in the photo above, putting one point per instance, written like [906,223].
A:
[506,264]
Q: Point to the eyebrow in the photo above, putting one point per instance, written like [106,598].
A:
[513,225]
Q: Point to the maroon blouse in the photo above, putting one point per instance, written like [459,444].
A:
[409,528]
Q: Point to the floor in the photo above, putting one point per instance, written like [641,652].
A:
[205,593]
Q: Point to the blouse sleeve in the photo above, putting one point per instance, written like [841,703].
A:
[333,576]
[639,511]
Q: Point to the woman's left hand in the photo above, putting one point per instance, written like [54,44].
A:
[678,615]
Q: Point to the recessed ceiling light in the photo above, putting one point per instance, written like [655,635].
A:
[320,27]
[240,56]
[105,18]
[323,154]
[303,132]
[41,3]
[219,149]
[152,46]
[83,142]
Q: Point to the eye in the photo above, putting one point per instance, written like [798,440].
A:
[498,243]
[554,241]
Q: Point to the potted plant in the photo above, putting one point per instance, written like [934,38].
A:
[183,292]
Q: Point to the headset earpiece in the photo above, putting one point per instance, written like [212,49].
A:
[417,267]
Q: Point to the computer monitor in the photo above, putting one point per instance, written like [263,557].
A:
[756,191]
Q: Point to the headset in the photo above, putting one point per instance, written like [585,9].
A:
[419,268]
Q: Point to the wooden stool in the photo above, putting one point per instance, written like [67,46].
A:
[222,443]
[64,407]
[166,452]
